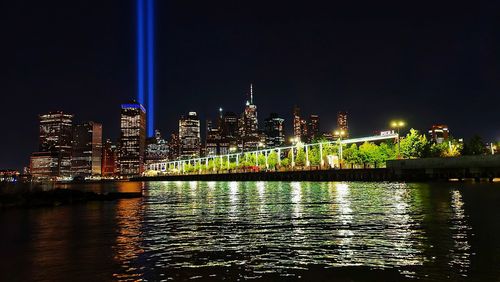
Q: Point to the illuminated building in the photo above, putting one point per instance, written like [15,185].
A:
[342,123]
[156,148]
[109,165]
[53,160]
[189,135]
[275,135]
[213,138]
[86,150]
[174,147]
[47,165]
[9,175]
[439,133]
[132,139]
[313,128]
[300,126]
[297,125]
[249,125]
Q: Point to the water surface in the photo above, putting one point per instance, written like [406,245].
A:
[260,230]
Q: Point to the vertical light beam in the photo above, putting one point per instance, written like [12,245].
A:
[140,51]
[150,60]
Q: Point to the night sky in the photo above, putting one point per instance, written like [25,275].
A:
[424,62]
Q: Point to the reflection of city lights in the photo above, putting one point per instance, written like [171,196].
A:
[460,253]
[296,199]
[260,188]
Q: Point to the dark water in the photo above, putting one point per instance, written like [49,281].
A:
[261,230]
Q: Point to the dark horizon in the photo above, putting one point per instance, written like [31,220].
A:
[424,63]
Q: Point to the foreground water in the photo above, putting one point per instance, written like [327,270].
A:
[260,230]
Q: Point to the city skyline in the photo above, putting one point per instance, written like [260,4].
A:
[401,67]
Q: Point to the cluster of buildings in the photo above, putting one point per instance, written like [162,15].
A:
[69,150]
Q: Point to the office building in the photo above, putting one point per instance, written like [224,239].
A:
[156,148]
[53,160]
[274,132]
[189,136]
[86,150]
[439,133]
[132,139]
[109,165]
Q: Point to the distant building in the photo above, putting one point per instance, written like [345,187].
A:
[342,123]
[47,165]
[313,128]
[53,160]
[109,164]
[189,136]
[132,139]
[328,136]
[439,133]
[273,128]
[9,175]
[249,126]
[213,139]
[86,151]
[302,128]
[156,148]
[174,147]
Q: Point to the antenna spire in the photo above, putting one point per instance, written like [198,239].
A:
[251,94]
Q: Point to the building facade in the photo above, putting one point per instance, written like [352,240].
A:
[313,128]
[189,136]
[53,159]
[274,131]
[86,150]
[249,126]
[132,139]
[109,165]
[342,123]
[439,133]
[156,148]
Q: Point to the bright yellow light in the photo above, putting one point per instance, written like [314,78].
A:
[398,123]
[336,133]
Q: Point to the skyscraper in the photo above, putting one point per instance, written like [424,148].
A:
[86,149]
[342,123]
[132,139]
[297,126]
[109,166]
[156,148]
[53,160]
[174,147]
[213,138]
[275,135]
[189,135]
[249,125]
[313,128]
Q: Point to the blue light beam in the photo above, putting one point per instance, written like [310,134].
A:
[140,51]
[150,60]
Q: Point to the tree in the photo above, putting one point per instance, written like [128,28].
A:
[351,155]
[413,145]
[387,151]
[370,154]
[475,146]
[272,159]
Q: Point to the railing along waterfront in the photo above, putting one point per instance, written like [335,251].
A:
[224,161]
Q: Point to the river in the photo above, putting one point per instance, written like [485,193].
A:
[236,231]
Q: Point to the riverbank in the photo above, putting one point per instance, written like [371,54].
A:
[58,197]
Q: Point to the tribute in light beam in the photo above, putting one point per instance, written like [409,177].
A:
[140,51]
[150,44]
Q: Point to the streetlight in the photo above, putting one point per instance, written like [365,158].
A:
[340,133]
[398,124]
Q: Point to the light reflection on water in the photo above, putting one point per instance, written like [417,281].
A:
[199,228]
[246,230]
